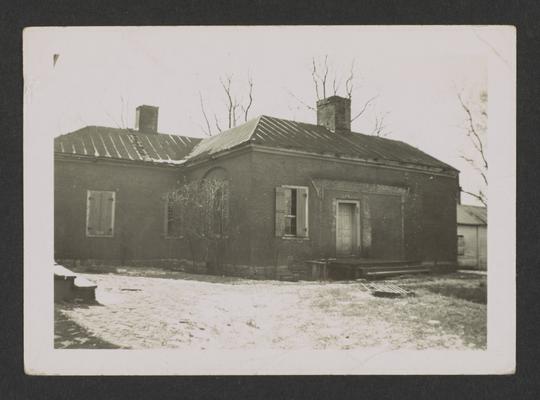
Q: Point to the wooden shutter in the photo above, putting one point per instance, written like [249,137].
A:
[93,206]
[100,213]
[301,212]
[281,210]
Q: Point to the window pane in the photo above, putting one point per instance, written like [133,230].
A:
[290,225]
[288,201]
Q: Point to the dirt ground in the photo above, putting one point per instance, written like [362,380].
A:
[228,313]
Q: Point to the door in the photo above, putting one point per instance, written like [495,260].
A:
[346,229]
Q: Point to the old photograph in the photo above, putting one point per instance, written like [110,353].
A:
[319,192]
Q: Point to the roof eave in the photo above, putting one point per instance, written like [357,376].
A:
[86,158]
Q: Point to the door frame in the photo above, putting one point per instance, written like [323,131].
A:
[356,220]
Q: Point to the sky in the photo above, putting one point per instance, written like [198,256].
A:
[102,74]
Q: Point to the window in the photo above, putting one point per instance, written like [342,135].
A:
[460,245]
[100,207]
[219,212]
[291,211]
[173,218]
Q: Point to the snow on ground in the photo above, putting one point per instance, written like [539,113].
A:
[144,312]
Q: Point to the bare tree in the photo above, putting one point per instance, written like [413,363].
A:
[476,127]
[236,109]
[323,75]
[124,109]
[207,129]
[245,109]
[202,212]
[380,128]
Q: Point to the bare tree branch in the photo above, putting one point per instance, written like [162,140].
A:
[122,112]
[325,76]
[380,126]
[217,124]
[230,104]
[315,78]
[479,196]
[250,99]
[349,84]
[366,104]
[234,108]
[208,130]
[113,120]
[474,164]
[472,133]
[473,130]
[301,101]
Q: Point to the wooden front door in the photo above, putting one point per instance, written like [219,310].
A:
[346,241]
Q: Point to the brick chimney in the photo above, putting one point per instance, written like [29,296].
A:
[334,113]
[146,119]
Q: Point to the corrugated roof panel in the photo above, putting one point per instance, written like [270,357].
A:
[88,146]
[130,147]
[312,138]
[120,147]
[292,139]
[125,144]
[107,152]
[113,151]
[79,144]
[225,140]
[149,147]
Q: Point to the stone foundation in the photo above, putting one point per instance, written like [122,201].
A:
[294,272]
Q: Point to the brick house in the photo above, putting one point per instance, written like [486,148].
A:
[296,192]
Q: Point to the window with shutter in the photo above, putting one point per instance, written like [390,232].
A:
[291,211]
[100,207]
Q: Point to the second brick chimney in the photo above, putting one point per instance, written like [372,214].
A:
[334,113]
[146,119]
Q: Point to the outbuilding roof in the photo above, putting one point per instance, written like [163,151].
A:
[471,215]
[284,134]
[125,144]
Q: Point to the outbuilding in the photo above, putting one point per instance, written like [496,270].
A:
[472,236]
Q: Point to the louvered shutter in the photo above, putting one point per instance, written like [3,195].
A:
[107,214]
[100,213]
[281,210]
[93,207]
[301,212]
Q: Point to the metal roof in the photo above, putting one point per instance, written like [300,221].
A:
[225,140]
[128,144]
[284,134]
[125,144]
[471,215]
